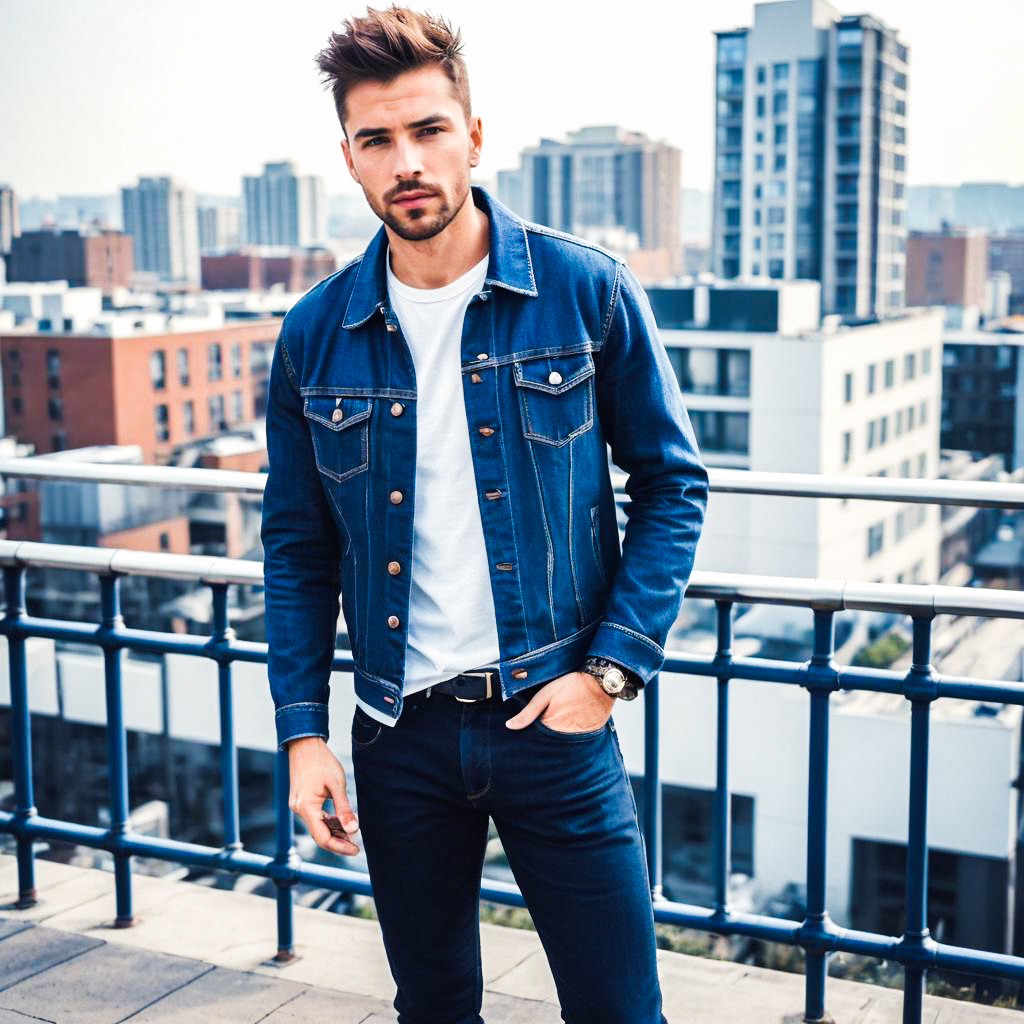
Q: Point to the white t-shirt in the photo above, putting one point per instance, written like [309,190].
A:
[452,624]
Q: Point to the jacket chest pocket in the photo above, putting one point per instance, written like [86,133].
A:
[556,396]
[340,430]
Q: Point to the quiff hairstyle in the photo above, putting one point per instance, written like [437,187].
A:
[385,43]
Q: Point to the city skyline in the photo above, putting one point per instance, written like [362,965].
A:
[203,114]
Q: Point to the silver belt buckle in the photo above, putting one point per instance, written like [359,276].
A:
[473,700]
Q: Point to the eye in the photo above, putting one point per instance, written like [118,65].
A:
[370,142]
[432,128]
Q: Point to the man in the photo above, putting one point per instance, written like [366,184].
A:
[438,424]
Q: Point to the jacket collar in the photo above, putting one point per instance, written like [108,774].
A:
[509,265]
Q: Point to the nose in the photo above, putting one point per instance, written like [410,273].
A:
[408,163]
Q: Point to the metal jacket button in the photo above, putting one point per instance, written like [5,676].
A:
[504,566]
[393,621]
[394,568]
[487,431]
[554,377]
[392,327]
[475,378]
[337,416]
[482,356]
[520,674]
[397,409]
[397,497]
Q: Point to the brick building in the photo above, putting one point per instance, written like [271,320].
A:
[252,270]
[102,259]
[158,391]
[947,268]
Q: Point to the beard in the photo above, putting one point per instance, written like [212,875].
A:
[419,222]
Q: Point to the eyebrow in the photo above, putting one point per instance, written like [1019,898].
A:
[364,133]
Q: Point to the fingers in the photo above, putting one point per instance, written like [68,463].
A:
[533,709]
[323,836]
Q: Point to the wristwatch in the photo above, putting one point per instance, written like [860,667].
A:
[615,679]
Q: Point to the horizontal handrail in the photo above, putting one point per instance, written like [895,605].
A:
[918,599]
[975,493]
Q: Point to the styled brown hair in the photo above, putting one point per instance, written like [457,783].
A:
[384,44]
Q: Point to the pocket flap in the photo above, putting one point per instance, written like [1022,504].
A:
[337,412]
[554,374]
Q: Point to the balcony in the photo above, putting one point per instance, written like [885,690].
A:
[110,944]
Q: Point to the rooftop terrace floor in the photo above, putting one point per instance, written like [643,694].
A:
[204,955]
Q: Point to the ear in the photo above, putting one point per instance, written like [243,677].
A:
[476,140]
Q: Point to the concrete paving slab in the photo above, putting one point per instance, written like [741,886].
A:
[103,985]
[31,950]
[319,1005]
[221,996]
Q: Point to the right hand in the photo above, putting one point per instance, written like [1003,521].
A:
[316,775]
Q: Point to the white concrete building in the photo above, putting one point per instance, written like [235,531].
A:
[769,386]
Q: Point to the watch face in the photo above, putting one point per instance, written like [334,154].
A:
[613,680]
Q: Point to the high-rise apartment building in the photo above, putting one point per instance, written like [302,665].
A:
[613,186]
[220,228]
[9,222]
[160,215]
[283,207]
[810,172]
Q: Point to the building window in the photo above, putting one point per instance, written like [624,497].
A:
[847,387]
[718,431]
[780,135]
[215,365]
[910,366]
[923,415]
[55,409]
[236,360]
[776,215]
[59,441]
[16,406]
[883,429]
[910,418]
[871,378]
[236,406]
[926,360]
[847,447]
[758,161]
[53,368]
[780,161]
[876,538]
[780,103]
[781,72]
[775,269]
[158,370]
[760,105]
[188,410]
[760,74]
[890,372]
[922,466]
[899,422]
[162,429]
[217,413]
[872,434]
[165,541]
[183,378]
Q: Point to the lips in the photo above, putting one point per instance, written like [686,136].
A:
[413,198]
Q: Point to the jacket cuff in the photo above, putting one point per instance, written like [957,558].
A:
[307,718]
[629,648]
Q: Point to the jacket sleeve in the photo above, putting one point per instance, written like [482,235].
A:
[643,418]
[301,564]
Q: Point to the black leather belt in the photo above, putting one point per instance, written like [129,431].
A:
[470,686]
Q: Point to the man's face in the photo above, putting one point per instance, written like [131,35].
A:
[410,149]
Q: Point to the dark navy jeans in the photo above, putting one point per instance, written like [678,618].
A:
[565,813]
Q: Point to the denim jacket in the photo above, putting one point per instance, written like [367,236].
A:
[561,361]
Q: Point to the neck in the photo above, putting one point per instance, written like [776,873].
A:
[435,262]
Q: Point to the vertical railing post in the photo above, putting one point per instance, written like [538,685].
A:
[921,688]
[821,679]
[220,643]
[285,854]
[117,754]
[652,787]
[21,733]
[722,816]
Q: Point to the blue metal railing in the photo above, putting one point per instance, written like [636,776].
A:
[817,934]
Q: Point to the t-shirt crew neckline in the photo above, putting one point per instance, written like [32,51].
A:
[452,288]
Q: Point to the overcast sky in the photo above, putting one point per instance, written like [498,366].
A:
[94,93]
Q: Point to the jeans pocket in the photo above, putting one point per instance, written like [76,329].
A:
[365,730]
[570,737]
